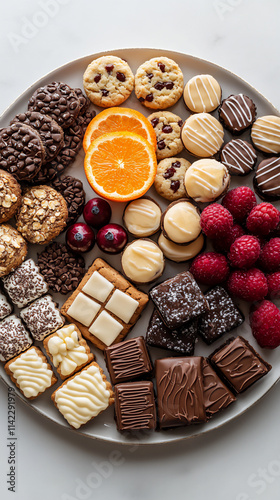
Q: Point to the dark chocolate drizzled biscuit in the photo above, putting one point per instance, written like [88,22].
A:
[237,112]
[135,406]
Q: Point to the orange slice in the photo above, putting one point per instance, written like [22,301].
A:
[120,166]
[118,120]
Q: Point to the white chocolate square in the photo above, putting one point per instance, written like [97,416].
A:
[106,328]
[98,287]
[83,309]
[122,305]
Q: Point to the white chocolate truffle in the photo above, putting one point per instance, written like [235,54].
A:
[181,222]
[142,261]
[142,217]
[265,134]
[202,135]
[206,180]
[180,253]
[202,93]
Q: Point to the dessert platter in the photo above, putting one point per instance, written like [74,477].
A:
[140,246]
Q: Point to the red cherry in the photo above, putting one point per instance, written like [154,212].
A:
[97,212]
[111,238]
[80,237]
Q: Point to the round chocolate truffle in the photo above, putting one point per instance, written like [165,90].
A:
[180,253]
[142,217]
[142,261]
[267,179]
[237,112]
[239,157]
[206,180]
[180,222]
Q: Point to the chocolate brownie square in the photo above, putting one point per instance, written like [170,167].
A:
[135,406]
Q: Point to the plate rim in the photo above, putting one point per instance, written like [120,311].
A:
[63,67]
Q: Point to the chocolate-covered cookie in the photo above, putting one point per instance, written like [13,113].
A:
[83,99]
[73,192]
[50,132]
[21,151]
[267,179]
[61,269]
[237,112]
[239,157]
[57,100]
[73,138]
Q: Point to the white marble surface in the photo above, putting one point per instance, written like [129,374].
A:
[241,461]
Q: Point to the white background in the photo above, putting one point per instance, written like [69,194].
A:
[241,461]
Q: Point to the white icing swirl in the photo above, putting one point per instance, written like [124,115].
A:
[83,397]
[142,217]
[142,261]
[31,373]
[66,351]
[265,134]
[206,180]
[202,93]
[202,135]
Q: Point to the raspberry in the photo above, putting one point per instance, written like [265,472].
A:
[249,285]
[270,256]
[273,282]
[239,202]
[265,324]
[216,221]
[263,219]
[224,244]
[210,268]
[244,251]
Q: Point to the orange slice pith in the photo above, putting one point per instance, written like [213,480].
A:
[120,166]
[117,120]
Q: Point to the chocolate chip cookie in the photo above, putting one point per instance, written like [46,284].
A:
[167,127]
[21,151]
[159,83]
[169,180]
[74,195]
[108,81]
[58,101]
[50,132]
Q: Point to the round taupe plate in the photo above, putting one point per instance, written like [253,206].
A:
[103,427]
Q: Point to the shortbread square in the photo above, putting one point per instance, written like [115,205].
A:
[122,305]
[42,317]
[25,284]
[98,287]
[83,396]
[83,309]
[31,372]
[106,328]
[67,350]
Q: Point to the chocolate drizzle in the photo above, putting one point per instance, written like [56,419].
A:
[239,157]
[180,391]
[267,179]
[239,363]
[128,360]
[237,112]
[135,406]
[216,395]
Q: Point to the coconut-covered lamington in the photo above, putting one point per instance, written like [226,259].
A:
[67,350]
[83,396]
[42,317]
[14,337]
[105,306]
[31,372]
[25,284]
[5,307]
